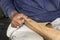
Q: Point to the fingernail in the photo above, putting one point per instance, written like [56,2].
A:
[23,20]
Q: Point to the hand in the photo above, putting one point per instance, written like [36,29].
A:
[18,20]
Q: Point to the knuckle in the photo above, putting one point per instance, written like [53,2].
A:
[12,25]
[20,25]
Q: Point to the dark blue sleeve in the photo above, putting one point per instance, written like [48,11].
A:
[7,6]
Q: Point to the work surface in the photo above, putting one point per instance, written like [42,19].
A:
[24,33]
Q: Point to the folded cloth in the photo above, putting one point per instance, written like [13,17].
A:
[56,24]
[23,33]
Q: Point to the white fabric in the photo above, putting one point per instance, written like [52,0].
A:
[23,33]
[56,24]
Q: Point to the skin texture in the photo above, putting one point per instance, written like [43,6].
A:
[18,20]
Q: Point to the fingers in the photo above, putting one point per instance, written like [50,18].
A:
[26,18]
[14,24]
[20,22]
[17,22]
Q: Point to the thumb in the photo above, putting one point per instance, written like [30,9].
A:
[27,19]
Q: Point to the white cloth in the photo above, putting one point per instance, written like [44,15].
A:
[56,24]
[23,33]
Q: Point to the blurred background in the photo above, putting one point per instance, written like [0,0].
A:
[4,22]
